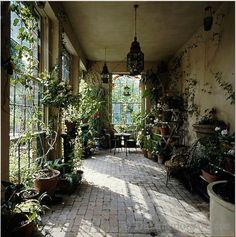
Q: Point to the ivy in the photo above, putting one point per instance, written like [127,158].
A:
[227,87]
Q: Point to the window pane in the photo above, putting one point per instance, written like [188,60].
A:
[123,107]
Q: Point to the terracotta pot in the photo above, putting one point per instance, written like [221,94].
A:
[164,131]
[160,159]
[209,177]
[21,226]
[229,165]
[145,153]
[149,155]
[48,183]
[25,230]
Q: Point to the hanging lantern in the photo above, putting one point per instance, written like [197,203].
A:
[208,19]
[126,91]
[105,73]
[135,58]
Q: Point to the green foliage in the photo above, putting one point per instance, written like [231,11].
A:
[92,104]
[209,118]
[211,151]
[22,54]
[32,208]
[57,93]
[227,87]
[189,97]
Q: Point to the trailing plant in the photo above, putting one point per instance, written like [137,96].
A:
[57,93]
[209,118]
[226,86]
[189,98]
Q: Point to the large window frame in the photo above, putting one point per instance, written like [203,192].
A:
[25,98]
[26,109]
[125,107]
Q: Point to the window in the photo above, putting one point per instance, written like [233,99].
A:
[125,107]
[24,98]
[65,64]
[26,110]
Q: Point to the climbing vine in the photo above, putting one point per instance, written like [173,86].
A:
[226,86]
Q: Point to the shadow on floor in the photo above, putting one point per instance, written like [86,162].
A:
[98,211]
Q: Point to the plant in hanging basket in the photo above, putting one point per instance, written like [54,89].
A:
[57,93]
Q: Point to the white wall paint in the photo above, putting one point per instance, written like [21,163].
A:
[215,52]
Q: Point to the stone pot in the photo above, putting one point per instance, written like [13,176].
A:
[222,213]
[203,130]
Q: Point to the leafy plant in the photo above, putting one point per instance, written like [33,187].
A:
[57,93]
[227,87]
[211,151]
[209,118]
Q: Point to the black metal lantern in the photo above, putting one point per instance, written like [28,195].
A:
[135,58]
[208,19]
[126,91]
[105,73]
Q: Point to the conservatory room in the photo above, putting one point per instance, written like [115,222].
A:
[118,118]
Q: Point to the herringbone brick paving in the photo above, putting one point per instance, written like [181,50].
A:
[127,197]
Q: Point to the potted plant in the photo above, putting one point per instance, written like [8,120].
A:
[70,176]
[206,125]
[19,217]
[46,180]
[210,158]
[163,152]
[164,130]
[150,147]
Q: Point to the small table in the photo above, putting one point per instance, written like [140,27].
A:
[121,137]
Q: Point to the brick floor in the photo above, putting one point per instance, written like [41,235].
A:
[126,197]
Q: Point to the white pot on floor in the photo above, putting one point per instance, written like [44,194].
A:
[222,213]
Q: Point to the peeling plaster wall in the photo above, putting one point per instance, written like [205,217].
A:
[204,55]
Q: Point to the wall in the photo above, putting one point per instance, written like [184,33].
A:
[206,55]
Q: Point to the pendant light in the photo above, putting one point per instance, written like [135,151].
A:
[105,73]
[135,58]
[126,91]
[208,19]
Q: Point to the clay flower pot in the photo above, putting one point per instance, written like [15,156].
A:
[46,181]
[209,177]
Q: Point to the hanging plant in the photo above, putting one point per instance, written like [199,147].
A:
[57,93]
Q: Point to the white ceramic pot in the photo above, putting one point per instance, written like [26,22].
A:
[222,214]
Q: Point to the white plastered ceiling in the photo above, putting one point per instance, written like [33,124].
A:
[162,27]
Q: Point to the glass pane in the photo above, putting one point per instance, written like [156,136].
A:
[128,105]
[15,29]
[19,119]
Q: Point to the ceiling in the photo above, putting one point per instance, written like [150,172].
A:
[162,27]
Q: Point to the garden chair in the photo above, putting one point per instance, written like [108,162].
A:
[180,161]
